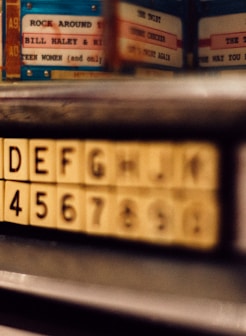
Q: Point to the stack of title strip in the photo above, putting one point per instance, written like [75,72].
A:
[54,39]
[145,34]
[221,35]
[43,40]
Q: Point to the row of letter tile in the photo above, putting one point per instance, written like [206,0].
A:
[109,163]
[150,214]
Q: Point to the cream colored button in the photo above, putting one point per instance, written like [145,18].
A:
[70,207]
[99,210]
[42,160]
[158,166]
[128,213]
[43,205]
[128,164]
[199,165]
[1,157]
[199,225]
[16,159]
[16,203]
[70,161]
[99,163]
[159,217]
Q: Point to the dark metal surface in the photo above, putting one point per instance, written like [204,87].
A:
[200,107]
[205,293]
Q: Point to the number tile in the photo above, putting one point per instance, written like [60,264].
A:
[199,219]
[159,216]
[128,213]
[43,205]
[99,210]
[70,207]
[16,202]
[2,186]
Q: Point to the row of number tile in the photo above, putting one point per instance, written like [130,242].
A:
[178,217]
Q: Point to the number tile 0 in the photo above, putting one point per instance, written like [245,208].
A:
[199,219]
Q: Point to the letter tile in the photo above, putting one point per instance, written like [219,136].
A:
[16,202]
[70,162]
[16,159]
[159,164]
[1,157]
[43,205]
[128,164]
[199,165]
[100,164]
[70,207]
[42,160]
